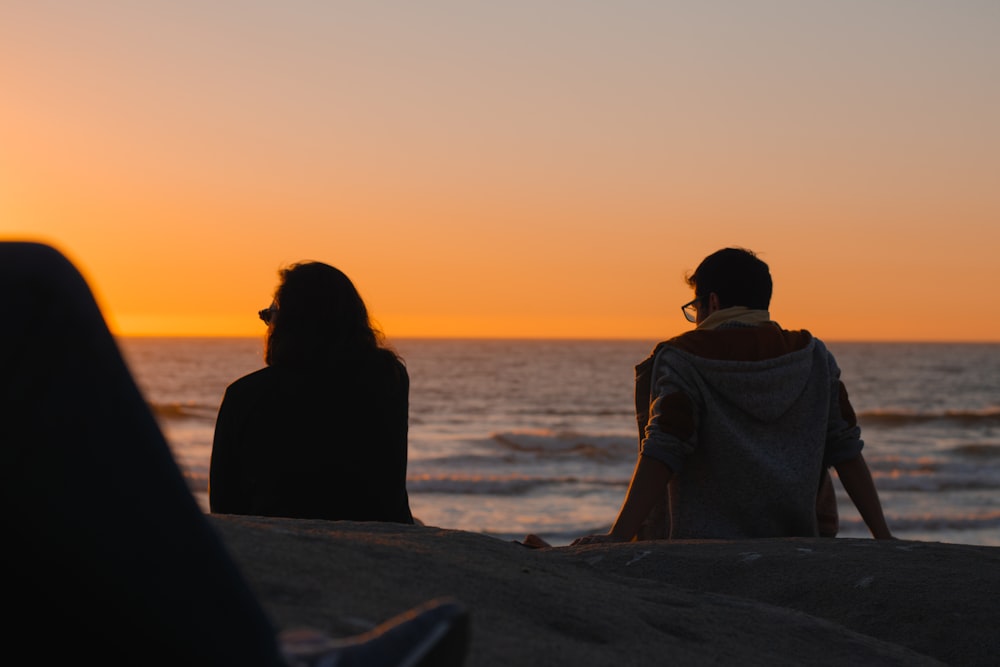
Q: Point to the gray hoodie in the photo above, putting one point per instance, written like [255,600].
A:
[762,429]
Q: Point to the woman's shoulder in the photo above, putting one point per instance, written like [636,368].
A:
[388,364]
[263,377]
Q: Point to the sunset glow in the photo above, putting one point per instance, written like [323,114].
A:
[512,169]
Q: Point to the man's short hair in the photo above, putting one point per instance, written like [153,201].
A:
[737,276]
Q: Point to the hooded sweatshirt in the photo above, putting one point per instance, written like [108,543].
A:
[747,415]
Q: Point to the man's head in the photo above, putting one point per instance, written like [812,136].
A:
[736,276]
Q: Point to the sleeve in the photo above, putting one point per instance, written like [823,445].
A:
[843,435]
[394,500]
[671,432]
[226,490]
[399,431]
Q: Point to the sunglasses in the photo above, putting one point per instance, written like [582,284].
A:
[267,315]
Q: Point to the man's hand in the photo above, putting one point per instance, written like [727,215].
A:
[604,538]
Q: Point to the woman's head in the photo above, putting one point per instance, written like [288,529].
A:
[319,318]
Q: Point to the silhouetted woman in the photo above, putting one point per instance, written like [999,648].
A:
[321,431]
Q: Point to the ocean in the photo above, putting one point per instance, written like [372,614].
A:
[510,437]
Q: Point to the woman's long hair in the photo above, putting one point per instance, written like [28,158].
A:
[321,320]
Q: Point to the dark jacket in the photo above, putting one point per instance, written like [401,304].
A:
[314,444]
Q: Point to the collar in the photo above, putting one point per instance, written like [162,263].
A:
[740,314]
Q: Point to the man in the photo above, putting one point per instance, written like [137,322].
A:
[742,421]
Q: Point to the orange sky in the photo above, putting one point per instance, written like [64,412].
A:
[518,169]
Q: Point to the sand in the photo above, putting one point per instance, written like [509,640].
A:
[774,602]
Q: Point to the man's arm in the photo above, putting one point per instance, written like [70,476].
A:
[649,484]
[857,481]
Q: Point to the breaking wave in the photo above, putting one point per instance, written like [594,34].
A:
[988,416]
[180,410]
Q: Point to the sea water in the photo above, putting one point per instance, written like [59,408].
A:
[510,437]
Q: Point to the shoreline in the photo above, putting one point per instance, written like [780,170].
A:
[777,601]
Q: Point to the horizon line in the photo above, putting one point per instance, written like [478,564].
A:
[389,339]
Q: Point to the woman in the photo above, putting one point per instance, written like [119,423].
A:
[321,432]
[110,559]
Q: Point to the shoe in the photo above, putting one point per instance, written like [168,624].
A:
[435,634]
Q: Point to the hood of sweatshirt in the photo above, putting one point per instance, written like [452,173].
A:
[760,370]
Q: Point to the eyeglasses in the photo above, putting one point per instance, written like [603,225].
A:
[690,309]
[268,313]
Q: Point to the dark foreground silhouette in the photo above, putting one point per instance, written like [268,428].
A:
[107,554]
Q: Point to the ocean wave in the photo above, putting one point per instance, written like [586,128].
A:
[987,416]
[895,465]
[573,412]
[501,485]
[942,471]
[933,523]
[548,443]
[938,481]
[196,481]
[179,410]
[984,450]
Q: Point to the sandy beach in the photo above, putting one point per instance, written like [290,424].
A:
[781,601]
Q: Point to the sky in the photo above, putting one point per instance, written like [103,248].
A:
[512,169]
